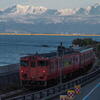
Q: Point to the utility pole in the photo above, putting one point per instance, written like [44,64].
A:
[62,65]
[60,54]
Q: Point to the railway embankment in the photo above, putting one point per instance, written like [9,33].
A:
[9,78]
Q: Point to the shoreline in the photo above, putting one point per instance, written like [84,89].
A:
[50,34]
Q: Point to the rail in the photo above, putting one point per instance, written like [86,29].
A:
[57,90]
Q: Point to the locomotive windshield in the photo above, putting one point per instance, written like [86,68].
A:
[24,63]
[33,64]
[43,63]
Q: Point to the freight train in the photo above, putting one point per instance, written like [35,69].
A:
[47,69]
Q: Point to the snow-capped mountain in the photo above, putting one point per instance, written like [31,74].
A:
[32,10]
[24,9]
[95,10]
[1,11]
[66,12]
[90,10]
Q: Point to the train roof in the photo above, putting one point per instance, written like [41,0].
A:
[49,55]
[73,50]
[54,54]
[68,51]
[82,49]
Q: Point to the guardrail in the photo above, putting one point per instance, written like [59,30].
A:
[57,90]
[9,76]
[9,69]
[9,79]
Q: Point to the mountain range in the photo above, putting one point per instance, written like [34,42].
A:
[31,19]
[32,10]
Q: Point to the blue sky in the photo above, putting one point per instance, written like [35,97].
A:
[54,4]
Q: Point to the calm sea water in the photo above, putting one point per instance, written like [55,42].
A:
[13,47]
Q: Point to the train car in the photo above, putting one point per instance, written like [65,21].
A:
[52,68]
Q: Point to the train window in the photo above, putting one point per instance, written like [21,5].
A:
[33,64]
[85,56]
[43,63]
[74,60]
[67,62]
[88,55]
[71,60]
[91,54]
[24,63]
[81,59]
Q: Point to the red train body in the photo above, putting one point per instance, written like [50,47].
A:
[49,68]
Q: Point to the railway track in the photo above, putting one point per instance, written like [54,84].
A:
[11,94]
[18,92]
[95,66]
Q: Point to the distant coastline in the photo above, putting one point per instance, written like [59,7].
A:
[50,34]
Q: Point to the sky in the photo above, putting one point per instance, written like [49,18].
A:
[52,4]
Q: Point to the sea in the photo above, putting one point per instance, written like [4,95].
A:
[12,47]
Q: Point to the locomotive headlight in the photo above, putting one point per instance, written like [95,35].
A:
[44,71]
[22,71]
[32,77]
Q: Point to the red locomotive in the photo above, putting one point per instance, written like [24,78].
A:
[51,68]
